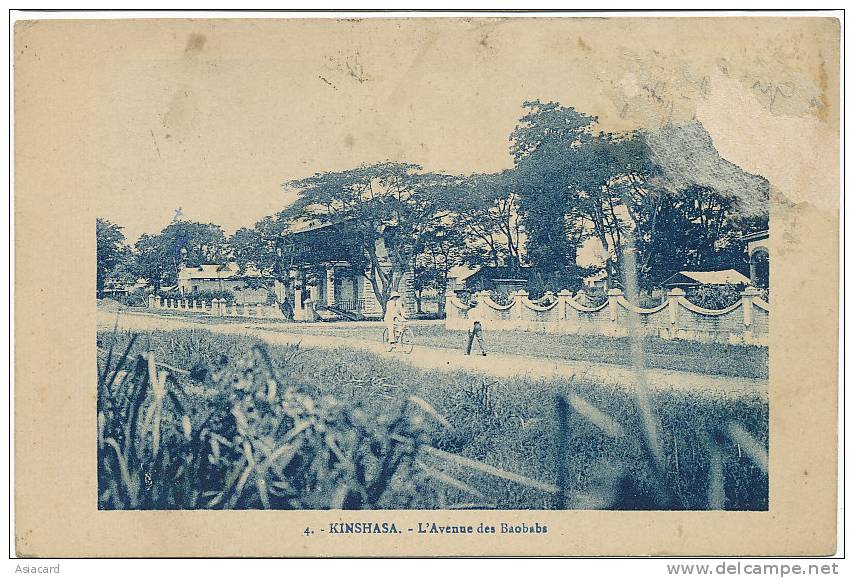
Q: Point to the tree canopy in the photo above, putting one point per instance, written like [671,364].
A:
[111,251]
[664,193]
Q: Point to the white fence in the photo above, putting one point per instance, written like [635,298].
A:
[677,318]
[219,307]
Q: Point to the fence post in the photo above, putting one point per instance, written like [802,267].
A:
[517,302]
[613,294]
[562,297]
[673,297]
[487,313]
[184,304]
[151,301]
[747,297]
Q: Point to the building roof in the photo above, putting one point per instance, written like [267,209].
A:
[502,274]
[757,236]
[461,272]
[306,226]
[724,277]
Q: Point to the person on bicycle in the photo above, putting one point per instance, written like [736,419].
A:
[395,317]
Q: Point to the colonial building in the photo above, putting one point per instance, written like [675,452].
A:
[324,285]
[214,278]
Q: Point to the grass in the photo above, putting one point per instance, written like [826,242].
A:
[371,432]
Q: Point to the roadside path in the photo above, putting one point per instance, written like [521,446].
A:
[498,365]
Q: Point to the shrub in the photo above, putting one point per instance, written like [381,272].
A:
[136,298]
[715,296]
[445,438]
[252,442]
[500,297]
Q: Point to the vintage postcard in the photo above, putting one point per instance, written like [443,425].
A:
[413,286]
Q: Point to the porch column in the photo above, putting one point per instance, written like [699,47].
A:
[752,269]
[330,284]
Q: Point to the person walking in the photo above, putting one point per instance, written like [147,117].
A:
[475,328]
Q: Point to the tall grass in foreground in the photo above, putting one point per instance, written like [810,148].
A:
[190,419]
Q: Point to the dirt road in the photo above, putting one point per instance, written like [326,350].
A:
[499,365]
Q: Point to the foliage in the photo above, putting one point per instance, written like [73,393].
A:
[232,434]
[574,183]
[261,250]
[462,440]
[158,258]
[715,296]
[541,280]
[664,195]
[667,192]
[486,210]
[111,251]
[136,298]
[697,230]
[500,297]
[440,248]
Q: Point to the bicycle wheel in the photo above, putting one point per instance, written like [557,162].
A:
[407,340]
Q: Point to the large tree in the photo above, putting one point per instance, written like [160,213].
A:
[111,251]
[441,247]
[665,192]
[696,206]
[573,182]
[376,215]
[487,210]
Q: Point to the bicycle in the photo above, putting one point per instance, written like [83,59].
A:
[405,341]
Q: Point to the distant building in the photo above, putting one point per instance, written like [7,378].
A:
[692,279]
[211,277]
[504,280]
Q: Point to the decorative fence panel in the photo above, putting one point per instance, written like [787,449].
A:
[676,318]
[218,307]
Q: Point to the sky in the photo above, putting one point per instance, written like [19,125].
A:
[212,116]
